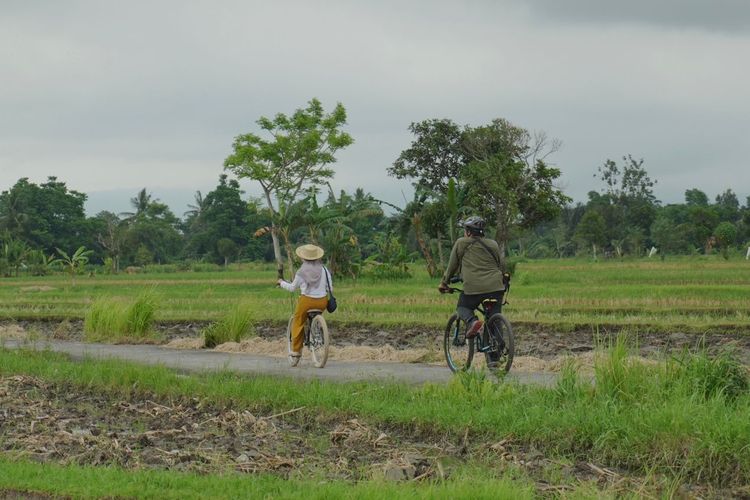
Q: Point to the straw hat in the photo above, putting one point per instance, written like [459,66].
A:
[309,252]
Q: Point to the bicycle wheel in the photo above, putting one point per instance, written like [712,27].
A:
[500,342]
[293,360]
[459,351]
[319,341]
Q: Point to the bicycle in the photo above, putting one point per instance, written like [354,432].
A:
[496,340]
[316,338]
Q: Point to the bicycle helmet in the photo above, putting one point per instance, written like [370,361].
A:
[474,224]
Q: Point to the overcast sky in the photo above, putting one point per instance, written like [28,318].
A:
[114,96]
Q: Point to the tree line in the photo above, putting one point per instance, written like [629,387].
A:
[497,170]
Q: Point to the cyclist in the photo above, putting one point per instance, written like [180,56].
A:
[314,281]
[477,260]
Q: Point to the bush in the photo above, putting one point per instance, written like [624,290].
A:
[235,326]
[719,376]
[160,269]
[378,271]
[206,267]
[115,320]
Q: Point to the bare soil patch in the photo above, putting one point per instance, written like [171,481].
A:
[54,423]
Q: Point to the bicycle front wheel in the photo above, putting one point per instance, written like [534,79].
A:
[500,342]
[459,351]
[319,341]
[293,360]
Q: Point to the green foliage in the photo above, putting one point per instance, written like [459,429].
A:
[725,234]
[111,319]
[45,216]
[297,155]
[390,261]
[235,326]
[435,156]
[642,417]
[722,375]
[74,262]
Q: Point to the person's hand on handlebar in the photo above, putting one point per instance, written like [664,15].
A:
[443,288]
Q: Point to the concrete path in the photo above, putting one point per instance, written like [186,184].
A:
[204,360]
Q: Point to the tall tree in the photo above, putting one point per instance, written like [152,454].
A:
[297,154]
[435,156]
[508,179]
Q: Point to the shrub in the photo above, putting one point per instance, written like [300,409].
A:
[720,376]
[206,267]
[115,320]
[235,326]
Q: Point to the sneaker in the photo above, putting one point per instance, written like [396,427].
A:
[474,329]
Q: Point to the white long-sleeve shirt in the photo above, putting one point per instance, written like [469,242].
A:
[317,292]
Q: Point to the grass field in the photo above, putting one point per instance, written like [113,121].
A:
[660,427]
[691,294]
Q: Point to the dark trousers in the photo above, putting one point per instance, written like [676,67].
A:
[467,304]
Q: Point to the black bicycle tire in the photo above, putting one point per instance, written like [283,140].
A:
[510,342]
[448,338]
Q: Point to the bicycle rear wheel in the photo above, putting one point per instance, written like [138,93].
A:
[501,343]
[293,360]
[319,341]
[459,351]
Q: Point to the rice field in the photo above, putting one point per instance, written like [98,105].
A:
[691,295]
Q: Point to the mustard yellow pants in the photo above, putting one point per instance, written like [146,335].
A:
[304,304]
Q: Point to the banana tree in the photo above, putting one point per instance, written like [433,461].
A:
[74,262]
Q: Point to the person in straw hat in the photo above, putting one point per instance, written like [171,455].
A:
[314,281]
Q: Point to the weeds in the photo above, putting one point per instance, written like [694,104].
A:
[111,319]
[235,326]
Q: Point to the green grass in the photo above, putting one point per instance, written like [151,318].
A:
[644,418]
[112,319]
[235,326]
[690,294]
[112,482]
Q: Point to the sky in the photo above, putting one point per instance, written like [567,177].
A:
[112,97]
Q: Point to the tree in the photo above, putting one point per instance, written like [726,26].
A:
[46,215]
[667,237]
[592,230]
[14,253]
[696,197]
[728,206]
[75,261]
[297,155]
[725,234]
[436,155]
[152,226]
[508,180]
[110,236]
[226,249]
[220,214]
[627,201]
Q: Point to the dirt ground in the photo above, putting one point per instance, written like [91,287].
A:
[537,349]
[56,423]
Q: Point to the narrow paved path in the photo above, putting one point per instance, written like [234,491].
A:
[197,361]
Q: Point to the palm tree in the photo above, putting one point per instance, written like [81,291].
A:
[140,203]
[197,209]
[12,218]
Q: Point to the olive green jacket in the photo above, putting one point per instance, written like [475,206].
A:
[479,269]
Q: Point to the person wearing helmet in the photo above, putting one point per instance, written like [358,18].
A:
[477,260]
[314,282]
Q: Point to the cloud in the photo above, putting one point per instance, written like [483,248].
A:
[716,15]
[151,94]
